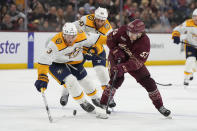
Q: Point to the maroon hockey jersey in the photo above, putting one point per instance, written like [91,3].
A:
[136,52]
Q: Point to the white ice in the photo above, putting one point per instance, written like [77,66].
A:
[22,107]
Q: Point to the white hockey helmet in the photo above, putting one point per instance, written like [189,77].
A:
[194,12]
[69,29]
[101,13]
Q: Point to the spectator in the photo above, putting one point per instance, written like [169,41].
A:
[69,14]
[60,17]
[157,14]
[13,12]
[52,15]
[19,25]
[80,13]
[45,26]
[6,23]
[88,5]
[34,26]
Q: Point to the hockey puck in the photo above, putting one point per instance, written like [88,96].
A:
[74,112]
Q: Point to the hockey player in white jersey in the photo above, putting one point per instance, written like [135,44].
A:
[62,59]
[189,27]
[95,23]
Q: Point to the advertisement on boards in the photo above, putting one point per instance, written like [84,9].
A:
[13,47]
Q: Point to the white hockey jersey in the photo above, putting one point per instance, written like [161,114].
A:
[58,51]
[190,29]
[86,23]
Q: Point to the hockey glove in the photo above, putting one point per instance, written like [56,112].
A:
[118,55]
[176,40]
[120,68]
[42,82]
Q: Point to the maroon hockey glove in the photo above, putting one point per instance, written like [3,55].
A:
[105,95]
[121,69]
[118,55]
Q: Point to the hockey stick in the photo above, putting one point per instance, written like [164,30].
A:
[188,44]
[46,105]
[110,91]
[112,86]
[169,84]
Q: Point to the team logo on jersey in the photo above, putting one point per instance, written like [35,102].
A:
[81,23]
[90,17]
[124,47]
[59,71]
[74,53]
[58,41]
[107,26]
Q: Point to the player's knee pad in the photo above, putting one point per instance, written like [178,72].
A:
[190,63]
[148,83]
[89,87]
[74,88]
[102,74]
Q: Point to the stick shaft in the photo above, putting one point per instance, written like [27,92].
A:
[46,105]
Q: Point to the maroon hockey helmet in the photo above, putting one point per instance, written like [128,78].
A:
[136,26]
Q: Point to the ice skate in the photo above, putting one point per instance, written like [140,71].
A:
[112,103]
[186,82]
[96,102]
[187,79]
[64,100]
[165,112]
[87,107]
[191,77]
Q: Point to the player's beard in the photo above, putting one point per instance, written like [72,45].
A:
[68,42]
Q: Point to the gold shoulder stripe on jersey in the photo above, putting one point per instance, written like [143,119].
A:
[104,29]
[90,21]
[60,42]
[80,37]
[190,23]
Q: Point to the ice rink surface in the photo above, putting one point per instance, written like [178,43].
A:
[22,107]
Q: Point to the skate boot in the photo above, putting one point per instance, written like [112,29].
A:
[112,103]
[188,76]
[164,111]
[186,82]
[96,102]
[191,77]
[87,106]
[64,99]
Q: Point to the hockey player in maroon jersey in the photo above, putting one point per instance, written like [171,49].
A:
[131,45]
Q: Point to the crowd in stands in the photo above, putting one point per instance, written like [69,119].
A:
[50,15]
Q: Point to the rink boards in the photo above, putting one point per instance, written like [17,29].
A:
[20,50]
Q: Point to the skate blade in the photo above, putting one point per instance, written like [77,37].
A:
[102,116]
[168,117]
